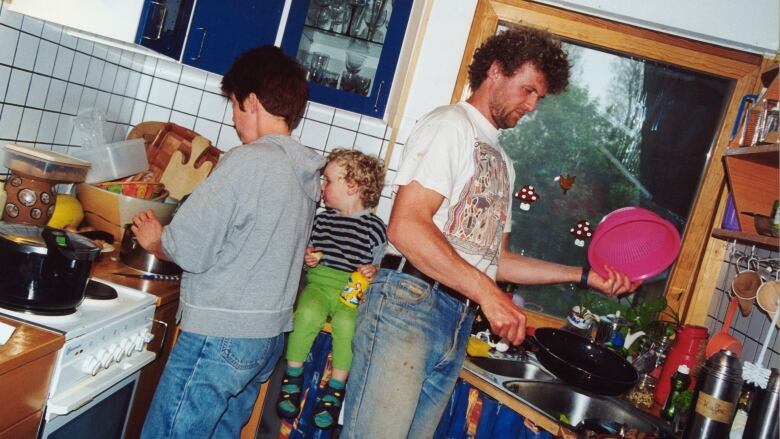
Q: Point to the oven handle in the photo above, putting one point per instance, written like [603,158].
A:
[165,333]
[81,394]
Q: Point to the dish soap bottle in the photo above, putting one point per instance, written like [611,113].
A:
[680,381]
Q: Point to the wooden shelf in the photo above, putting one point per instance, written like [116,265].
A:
[766,154]
[749,238]
[753,175]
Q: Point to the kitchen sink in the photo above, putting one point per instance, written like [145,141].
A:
[522,369]
[562,403]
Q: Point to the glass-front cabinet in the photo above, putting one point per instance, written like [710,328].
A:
[349,49]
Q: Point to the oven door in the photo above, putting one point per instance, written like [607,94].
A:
[104,417]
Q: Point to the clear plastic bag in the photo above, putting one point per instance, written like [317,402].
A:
[91,125]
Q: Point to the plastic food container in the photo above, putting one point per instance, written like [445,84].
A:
[44,164]
[115,160]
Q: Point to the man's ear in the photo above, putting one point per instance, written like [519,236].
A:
[494,71]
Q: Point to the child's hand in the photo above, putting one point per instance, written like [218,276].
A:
[368,271]
[311,258]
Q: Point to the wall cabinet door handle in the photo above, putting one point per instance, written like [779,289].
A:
[378,93]
[161,24]
[202,42]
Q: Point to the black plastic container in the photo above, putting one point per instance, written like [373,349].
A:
[43,270]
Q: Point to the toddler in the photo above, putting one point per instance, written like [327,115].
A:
[346,237]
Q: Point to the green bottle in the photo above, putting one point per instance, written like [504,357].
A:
[680,381]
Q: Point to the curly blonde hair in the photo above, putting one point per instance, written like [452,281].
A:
[367,171]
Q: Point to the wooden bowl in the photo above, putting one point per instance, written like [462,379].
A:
[138,189]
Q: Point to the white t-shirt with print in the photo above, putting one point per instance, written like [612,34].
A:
[454,151]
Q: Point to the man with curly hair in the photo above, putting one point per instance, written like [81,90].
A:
[448,232]
[346,237]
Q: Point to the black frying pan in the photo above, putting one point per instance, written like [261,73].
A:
[582,363]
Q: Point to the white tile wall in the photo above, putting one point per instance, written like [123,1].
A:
[47,77]
[750,330]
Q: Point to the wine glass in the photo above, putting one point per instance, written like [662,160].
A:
[338,15]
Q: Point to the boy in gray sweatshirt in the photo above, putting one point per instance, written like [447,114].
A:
[240,238]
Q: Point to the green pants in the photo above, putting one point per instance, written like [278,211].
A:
[318,301]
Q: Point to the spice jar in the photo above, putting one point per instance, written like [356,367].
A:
[641,396]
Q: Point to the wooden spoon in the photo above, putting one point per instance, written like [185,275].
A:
[724,340]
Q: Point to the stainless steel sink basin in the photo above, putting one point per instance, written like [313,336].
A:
[564,404]
[522,369]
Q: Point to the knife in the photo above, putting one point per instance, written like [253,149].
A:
[149,276]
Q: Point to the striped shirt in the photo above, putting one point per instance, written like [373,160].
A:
[348,241]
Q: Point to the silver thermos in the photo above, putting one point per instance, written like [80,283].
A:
[717,392]
[762,421]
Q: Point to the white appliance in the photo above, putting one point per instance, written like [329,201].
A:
[97,369]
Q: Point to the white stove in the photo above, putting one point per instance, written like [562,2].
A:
[105,344]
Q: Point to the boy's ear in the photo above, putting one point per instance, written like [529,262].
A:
[251,103]
[352,188]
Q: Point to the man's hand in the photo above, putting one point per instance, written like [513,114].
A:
[506,319]
[368,271]
[615,284]
[311,258]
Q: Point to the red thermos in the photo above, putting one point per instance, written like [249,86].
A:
[688,349]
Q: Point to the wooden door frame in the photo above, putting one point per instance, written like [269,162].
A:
[685,287]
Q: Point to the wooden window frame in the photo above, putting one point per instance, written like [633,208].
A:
[693,278]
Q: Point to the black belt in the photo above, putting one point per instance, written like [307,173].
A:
[402,265]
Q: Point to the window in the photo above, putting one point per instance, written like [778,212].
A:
[638,126]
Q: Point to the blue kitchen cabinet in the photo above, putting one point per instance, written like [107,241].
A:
[163,25]
[349,48]
[208,34]
[220,31]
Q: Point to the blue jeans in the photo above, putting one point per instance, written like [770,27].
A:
[209,386]
[409,345]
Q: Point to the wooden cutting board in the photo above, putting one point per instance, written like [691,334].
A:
[183,174]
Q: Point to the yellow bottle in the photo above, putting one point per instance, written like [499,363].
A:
[353,291]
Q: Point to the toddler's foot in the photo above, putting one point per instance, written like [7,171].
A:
[326,414]
[290,396]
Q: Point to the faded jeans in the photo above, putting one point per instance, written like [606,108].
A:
[209,386]
[409,345]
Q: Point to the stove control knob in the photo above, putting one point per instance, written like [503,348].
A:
[139,342]
[117,352]
[105,358]
[91,365]
[128,346]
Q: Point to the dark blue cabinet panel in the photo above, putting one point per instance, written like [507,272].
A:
[222,30]
[163,25]
[350,49]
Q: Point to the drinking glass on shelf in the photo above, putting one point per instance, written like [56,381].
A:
[357,51]
[338,15]
[318,65]
[375,17]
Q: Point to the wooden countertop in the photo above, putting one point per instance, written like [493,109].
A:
[108,263]
[27,343]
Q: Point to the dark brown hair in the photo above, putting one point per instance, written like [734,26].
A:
[367,171]
[515,47]
[277,80]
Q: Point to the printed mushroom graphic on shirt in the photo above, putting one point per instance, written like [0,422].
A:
[581,231]
[526,195]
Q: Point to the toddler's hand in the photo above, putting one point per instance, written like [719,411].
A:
[368,271]
[311,258]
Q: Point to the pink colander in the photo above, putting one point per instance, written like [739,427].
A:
[634,241]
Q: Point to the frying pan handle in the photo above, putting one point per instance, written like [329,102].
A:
[530,344]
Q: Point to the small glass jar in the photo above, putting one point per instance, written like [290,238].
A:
[641,396]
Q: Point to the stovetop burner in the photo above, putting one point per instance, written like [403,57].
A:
[100,291]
